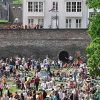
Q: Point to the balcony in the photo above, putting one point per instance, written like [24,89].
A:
[73,14]
[41,14]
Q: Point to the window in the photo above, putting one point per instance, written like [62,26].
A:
[68,6]
[30,21]
[78,23]
[41,22]
[73,6]
[55,6]
[30,7]
[68,23]
[40,6]
[35,6]
[78,6]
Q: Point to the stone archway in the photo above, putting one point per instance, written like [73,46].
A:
[64,56]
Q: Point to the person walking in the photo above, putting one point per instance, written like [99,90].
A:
[36,83]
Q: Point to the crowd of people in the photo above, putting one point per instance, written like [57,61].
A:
[62,81]
[20,26]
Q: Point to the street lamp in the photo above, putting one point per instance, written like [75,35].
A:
[55,17]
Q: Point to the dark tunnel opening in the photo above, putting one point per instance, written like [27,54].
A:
[64,56]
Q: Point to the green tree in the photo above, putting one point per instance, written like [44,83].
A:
[93,50]
[94,27]
[17,1]
[93,3]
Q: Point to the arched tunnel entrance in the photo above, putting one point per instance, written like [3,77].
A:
[64,56]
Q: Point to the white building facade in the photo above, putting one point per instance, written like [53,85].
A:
[55,14]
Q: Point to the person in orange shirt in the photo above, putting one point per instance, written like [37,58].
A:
[40,97]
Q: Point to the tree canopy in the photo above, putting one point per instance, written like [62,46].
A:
[94,27]
[93,50]
[93,3]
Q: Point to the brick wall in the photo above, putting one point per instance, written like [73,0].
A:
[39,43]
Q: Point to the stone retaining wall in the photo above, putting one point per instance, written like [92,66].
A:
[40,43]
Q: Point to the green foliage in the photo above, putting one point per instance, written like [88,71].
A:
[93,3]
[94,63]
[94,46]
[17,1]
[94,27]
[93,50]
[3,21]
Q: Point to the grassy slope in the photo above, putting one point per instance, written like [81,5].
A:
[3,21]
[17,1]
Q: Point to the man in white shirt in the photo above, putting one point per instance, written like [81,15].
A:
[44,85]
[60,95]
